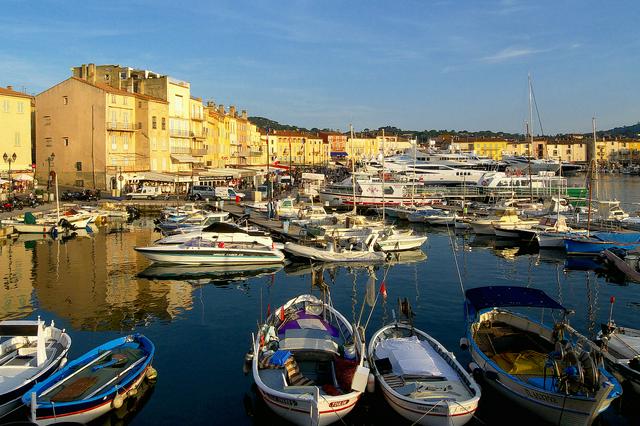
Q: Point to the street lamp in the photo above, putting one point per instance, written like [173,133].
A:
[10,159]
[49,161]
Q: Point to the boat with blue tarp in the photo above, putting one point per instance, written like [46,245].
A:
[597,242]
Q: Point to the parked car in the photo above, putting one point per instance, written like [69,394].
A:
[147,192]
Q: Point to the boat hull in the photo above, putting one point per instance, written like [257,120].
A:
[407,243]
[33,229]
[320,255]
[211,256]
[482,228]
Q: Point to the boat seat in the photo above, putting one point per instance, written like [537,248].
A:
[293,373]
[74,390]
[393,380]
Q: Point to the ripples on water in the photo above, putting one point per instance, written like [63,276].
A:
[99,288]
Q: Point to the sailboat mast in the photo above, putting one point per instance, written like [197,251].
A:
[592,167]
[353,172]
[383,174]
[413,186]
[595,149]
[530,139]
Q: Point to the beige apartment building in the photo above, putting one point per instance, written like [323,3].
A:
[15,131]
[86,132]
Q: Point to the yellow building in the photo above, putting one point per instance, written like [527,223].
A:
[257,151]
[15,131]
[153,138]
[299,148]
[219,148]
[363,149]
[571,150]
[491,148]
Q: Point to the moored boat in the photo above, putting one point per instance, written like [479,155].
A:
[199,251]
[93,384]
[551,371]
[420,379]
[298,365]
[30,351]
[362,251]
[596,242]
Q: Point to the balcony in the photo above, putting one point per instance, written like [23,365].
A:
[179,150]
[122,126]
[198,152]
[179,133]
[198,135]
[197,117]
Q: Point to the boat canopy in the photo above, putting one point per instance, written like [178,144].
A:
[504,296]
[223,228]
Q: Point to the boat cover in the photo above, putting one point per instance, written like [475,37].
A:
[505,296]
[223,228]
[411,356]
[618,237]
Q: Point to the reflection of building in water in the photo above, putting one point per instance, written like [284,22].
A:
[15,288]
[92,282]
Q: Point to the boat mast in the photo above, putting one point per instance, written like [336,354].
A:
[383,174]
[413,186]
[531,138]
[592,167]
[595,149]
[353,172]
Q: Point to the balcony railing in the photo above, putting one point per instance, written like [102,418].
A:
[198,135]
[197,117]
[198,152]
[179,150]
[180,133]
[122,126]
[255,153]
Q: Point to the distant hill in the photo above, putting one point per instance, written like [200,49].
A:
[632,131]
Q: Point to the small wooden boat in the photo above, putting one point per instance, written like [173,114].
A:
[29,353]
[420,379]
[93,384]
[199,251]
[596,242]
[308,362]
[554,373]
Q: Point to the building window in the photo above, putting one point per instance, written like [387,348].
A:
[17,139]
[139,104]
[125,142]
[79,183]
[79,166]
[65,100]
[164,123]
[113,99]
[177,105]
[114,144]
[124,100]
[106,77]
[48,141]
[154,142]
[154,124]
[66,141]
[20,107]
[5,106]
[123,75]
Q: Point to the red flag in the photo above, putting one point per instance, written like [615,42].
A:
[612,299]
[282,314]
[383,290]
[268,309]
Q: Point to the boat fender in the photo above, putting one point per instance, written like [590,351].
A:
[491,375]
[54,232]
[246,365]
[118,401]
[634,364]
[152,373]
[371,383]
[464,345]
[132,392]
[63,362]
[476,371]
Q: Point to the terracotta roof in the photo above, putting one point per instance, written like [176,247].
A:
[5,91]
[115,91]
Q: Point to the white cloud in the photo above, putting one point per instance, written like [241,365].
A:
[510,53]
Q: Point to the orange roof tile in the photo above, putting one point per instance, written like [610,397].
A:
[5,91]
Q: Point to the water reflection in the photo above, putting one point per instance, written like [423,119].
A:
[207,274]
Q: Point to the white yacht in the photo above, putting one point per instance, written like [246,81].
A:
[523,163]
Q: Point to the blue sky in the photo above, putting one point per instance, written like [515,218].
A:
[327,63]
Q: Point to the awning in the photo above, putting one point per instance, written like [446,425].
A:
[152,176]
[509,296]
[339,154]
[23,177]
[185,158]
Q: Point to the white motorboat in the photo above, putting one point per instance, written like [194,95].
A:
[192,223]
[394,240]
[30,351]
[220,232]
[622,352]
[486,225]
[363,251]
[199,251]
[420,379]
[298,365]
[535,165]
[445,218]
[553,372]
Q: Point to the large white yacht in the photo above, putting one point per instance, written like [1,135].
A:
[524,164]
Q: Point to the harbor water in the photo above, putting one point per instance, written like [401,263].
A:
[98,288]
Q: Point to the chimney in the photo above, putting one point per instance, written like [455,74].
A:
[9,87]
[211,104]
[91,75]
[83,72]
[221,109]
[232,111]
[244,114]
